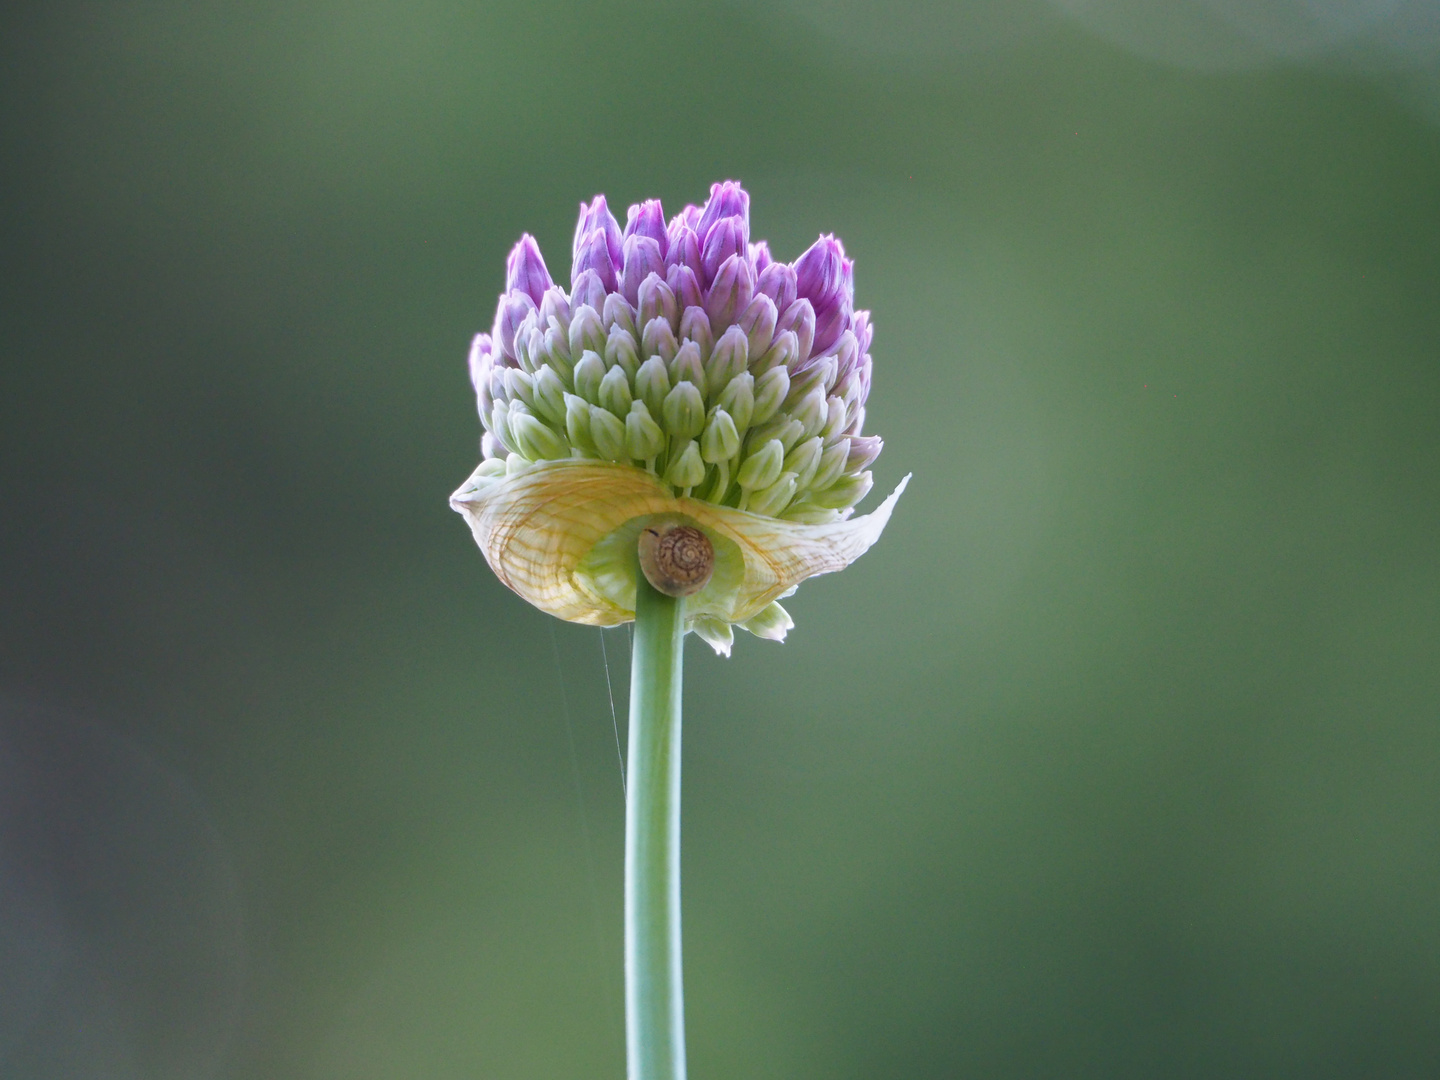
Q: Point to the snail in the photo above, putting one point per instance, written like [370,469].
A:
[677,559]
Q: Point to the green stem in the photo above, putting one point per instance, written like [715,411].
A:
[654,998]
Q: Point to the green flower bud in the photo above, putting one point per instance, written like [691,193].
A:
[738,399]
[807,513]
[652,383]
[719,486]
[784,427]
[588,372]
[557,347]
[772,622]
[811,411]
[688,367]
[519,386]
[549,395]
[773,499]
[835,418]
[727,359]
[721,441]
[687,470]
[758,322]
[615,391]
[845,492]
[832,464]
[618,314]
[684,411]
[695,325]
[762,467]
[804,460]
[608,432]
[516,464]
[495,467]
[535,439]
[586,331]
[643,438]
[500,424]
[771,389]
[577,423]
[819,375]
[659,340]
[620,351]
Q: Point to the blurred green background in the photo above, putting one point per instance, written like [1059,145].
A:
[1118,757]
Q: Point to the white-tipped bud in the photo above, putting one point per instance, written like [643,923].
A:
[532,355]
[738,399]
[537,441]
[519,386]
[491,467]
[643,438]
[516,464]
[589,371]
[832,464]
[783,352]
[845,492]
[720,441]
[658,339]
[618,313]
[687,470]
[727,359]
[835,418]
[688,367]
[776,497]
[491,447]
[577,423]
[695,325]
[684,411]
[555,305]
[608,433]
[557,352]
[652,383]
[620,351]
[811,411]
[656,301]
[615,391]
[771,389]
[804,460]
[772,623]
[548,395]
[586,331]
[762,467]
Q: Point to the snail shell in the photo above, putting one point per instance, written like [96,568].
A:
[677,559]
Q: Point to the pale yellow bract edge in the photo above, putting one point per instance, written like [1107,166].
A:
[538,530]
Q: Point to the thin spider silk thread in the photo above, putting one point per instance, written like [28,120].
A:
[614,721]
[580,796]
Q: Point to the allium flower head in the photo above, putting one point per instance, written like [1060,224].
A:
[686,374]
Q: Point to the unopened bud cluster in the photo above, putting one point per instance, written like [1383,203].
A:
[685,350]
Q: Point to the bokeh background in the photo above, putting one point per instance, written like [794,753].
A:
[1118,757]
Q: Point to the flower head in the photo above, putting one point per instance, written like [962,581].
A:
[686,373]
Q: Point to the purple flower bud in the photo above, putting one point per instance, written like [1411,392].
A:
[695,326]
[588,289]
[658,339]
[655,300]
[864,372]
[847,352]
[777,281]
[490,447]
[817,272]
[731,292]
[857,421]
[727,200]
[684,250]
[758,322]
[863,331]
[724,239]
[760,256]
[685,286]
[594,254]
[512,310]
[647,219]
[864,449]
[689,218]
[556,305]
[595,217]
[830,323]
[642,258]
[525,269]
[799,317]
[847,281]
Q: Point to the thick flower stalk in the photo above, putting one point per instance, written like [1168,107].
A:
[677,440]
[685,372]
